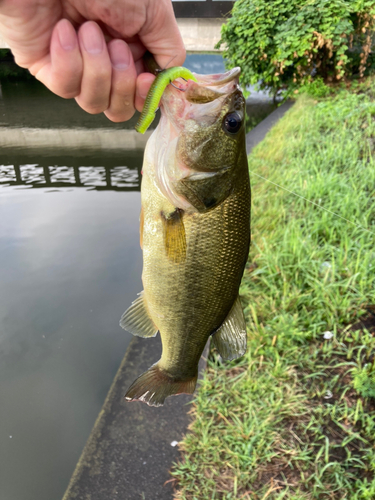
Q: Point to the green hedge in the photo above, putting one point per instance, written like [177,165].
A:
[283,44]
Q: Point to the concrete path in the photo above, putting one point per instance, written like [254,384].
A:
[129,452]
[258,133]
[106,138]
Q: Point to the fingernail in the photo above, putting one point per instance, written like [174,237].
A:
[92,38]
[67,35]
[119,54]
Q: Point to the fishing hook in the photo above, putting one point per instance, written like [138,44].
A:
[178,88]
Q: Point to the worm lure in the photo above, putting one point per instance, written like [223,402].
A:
[163,78]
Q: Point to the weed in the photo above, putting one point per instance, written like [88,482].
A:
[295,417]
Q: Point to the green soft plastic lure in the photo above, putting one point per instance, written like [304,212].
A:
[163,79]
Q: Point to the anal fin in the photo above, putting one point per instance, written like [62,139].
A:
[230,338]
[136,319]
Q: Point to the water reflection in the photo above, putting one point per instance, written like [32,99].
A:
[30,104]
[119,178]
[70,266]
[89,172]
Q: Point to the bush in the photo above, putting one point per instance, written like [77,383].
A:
[283,44]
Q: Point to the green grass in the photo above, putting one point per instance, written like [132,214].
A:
[295,417]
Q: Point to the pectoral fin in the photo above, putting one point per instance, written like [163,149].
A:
[136,319]
[174,236]
[230,338]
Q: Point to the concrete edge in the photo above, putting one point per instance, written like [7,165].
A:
[131,434]
[258,133]
[198,34]
[108,139]
[73,138]
[98,422]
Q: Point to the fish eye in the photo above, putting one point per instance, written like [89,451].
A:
[232,122]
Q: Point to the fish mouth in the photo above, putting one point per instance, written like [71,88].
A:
[211,87]
[220,78]
[201,101]
[206,89]
[189,109]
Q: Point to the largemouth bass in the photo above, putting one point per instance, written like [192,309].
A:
[195,233]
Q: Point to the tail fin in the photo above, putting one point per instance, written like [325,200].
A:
[153,386]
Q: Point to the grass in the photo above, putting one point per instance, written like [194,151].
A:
[295,417]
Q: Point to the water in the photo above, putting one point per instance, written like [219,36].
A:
[30,104]
[70,265]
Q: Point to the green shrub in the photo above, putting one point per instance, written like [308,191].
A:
[316,88]
[283,44]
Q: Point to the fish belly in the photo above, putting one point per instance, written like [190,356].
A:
[189,298]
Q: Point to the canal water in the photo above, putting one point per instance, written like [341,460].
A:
[70,266]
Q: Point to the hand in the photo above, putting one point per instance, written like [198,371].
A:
[92,49]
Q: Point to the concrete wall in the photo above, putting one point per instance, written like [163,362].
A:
[72,138]
[199,35]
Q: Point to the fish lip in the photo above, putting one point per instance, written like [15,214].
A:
[208,88]
[182,102]
[219,79]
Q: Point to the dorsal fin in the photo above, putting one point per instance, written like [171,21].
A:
[230,338]
[136,319]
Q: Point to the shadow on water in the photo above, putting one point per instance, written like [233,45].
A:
[30,104]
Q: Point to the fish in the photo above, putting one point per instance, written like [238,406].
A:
[194,233]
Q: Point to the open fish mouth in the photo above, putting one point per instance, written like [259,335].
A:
[210,87]
[191,122]
[220,78]
[201,101]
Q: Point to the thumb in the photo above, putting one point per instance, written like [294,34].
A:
[161,35]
